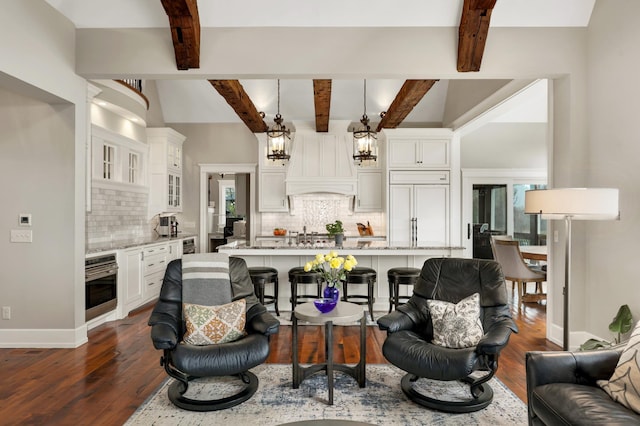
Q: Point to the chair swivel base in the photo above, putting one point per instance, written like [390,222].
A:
[485,396]
[177,389]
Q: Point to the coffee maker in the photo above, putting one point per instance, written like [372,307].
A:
[168,226]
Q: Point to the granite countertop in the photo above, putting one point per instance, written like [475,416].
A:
[133,242]
[348,245]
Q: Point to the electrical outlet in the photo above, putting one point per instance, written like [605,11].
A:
[6,312]
[555,236]
[21,236]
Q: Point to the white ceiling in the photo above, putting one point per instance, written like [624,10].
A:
[327,13]
[194,101]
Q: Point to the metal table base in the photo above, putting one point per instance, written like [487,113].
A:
[357,371]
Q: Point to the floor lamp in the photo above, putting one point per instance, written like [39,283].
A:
[572,204]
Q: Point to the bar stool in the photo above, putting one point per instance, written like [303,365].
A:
[398,277]
[297,276]
[360,275]
[260,276]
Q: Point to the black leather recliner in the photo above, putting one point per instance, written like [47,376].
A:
[410,331]
[186,362]
[562,389]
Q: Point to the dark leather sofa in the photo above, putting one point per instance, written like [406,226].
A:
[562,389]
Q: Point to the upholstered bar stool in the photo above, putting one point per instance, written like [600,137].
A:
[298,276]
[397,277]
[260,276]
[360,275]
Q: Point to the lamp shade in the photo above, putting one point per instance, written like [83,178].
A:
[576,203]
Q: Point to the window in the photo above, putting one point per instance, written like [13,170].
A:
[133,167]
[108,158]
[226,198]
[528,229]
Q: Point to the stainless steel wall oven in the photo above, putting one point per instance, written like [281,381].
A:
[101,285]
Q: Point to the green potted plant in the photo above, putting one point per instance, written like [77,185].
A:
[622,323]
[336,230]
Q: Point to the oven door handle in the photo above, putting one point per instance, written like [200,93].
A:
[97,274]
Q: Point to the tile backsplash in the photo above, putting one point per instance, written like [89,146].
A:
[316,210]
[116,215]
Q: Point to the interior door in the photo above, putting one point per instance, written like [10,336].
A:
[489,217]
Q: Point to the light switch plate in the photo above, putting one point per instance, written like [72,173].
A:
[21,236]
[24,219]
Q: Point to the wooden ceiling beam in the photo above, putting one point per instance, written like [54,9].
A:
[185,31]
[322,103]
[472,34]
[233,92]
[411,92]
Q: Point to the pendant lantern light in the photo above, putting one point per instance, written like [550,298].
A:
[365,140]
[278,137]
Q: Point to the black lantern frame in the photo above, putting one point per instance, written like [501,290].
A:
[278,137]
[365,140]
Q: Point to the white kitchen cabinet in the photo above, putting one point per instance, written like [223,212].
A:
[154,264]
[418,215]
[141,271]
[166,170]
[272,195]
[175,250]
[130,274]
[117,160]
[418,153]
[370,192]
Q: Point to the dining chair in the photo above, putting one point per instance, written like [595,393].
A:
[516,270]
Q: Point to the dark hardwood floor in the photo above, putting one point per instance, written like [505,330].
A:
[105,380]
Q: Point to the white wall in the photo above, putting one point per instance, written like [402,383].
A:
[38,169]
[462,95]
[614,152]
[506,146]
[210,144]
[43,130]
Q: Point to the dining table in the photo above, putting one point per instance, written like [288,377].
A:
[538,253]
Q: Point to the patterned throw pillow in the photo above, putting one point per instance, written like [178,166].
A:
[624,386]
[207,325]
[456,325]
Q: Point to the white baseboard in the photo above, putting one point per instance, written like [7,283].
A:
[576,338]
[102,319]
[43,338]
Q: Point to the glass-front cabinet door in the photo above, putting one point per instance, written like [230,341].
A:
[170,191]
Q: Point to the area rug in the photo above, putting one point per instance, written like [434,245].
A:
[381,402]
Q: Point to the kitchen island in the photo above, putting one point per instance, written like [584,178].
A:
[373,254]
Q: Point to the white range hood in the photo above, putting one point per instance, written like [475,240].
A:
[321,162]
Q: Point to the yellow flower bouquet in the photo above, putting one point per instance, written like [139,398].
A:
[331,267]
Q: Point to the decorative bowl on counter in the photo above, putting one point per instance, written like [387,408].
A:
[279,232]
[325,305]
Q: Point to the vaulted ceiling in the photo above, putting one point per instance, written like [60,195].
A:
[412,102]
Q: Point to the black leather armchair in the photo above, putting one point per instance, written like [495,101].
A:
[410,331]
[186,362]
[562,389]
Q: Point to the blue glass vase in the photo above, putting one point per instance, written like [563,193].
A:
[331,292]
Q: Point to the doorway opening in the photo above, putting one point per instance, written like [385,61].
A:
[227,207]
